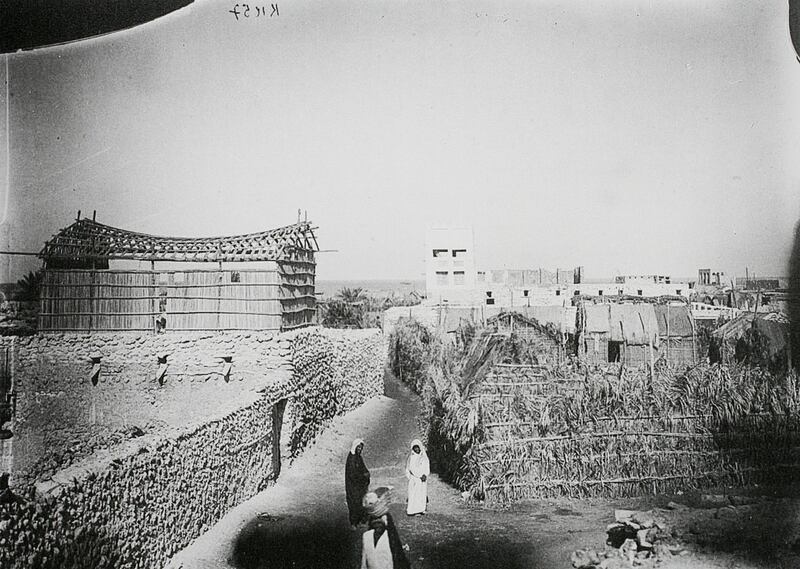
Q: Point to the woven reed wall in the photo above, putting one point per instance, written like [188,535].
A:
[278,298]
[593,348]
[223,300]
[548,351]
[677,351]
[83,300]
[612,456]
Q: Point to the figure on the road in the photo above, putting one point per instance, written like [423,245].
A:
[418,468]
[381,544]
[356,482]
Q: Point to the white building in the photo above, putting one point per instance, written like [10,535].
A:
[451,278]
[450,265]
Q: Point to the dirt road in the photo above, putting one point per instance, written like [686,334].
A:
[301,521]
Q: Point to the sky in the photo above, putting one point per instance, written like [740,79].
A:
[627,137]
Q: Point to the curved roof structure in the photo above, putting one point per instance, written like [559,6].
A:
[88,240]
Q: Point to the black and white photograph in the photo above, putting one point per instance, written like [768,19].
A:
[400,284]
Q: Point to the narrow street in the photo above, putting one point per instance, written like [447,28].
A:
[301,521]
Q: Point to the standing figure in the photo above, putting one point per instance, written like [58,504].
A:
[6,495]
[381,545]
[356,482]
[418,468]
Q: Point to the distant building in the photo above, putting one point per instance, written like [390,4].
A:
[761,284]
[657,279]
[643,288]
[450,264]
[705,277]
[451,278]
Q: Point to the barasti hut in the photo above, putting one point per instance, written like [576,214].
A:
[636,334]
[547,334]
[98,277]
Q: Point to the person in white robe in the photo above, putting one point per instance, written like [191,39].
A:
[418,468]
[381,544]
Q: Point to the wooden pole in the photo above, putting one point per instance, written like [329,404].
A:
[156,316]
[219,288]
[667,335]
[694,335]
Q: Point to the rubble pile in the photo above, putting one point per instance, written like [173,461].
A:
[635,539]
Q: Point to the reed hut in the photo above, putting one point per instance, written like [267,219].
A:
[545,340]
[101,278]
[757,339]
[626,333]
[677,343]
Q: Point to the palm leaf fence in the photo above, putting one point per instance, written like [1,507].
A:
[504,428]
[625,434]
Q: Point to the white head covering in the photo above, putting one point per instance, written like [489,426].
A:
[418,443]
[376,505]
[355,444]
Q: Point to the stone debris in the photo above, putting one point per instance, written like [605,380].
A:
[643,539]
[635,539]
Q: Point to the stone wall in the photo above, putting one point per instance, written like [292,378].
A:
[338,370]
[136,504]
[139,503]
[78,392]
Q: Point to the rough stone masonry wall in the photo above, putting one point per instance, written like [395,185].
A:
[137,504]
[141,502]
[62,414]
[338,370]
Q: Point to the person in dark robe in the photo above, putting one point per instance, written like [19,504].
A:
[6,495]
[356,482]
[382,547]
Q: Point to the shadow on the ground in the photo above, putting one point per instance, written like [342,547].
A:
[284,542]
[301,544]
[465,551]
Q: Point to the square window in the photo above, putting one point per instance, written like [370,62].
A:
[639,292]
[458,277]
[558,292]
[525,292]
[441,278]
[576,293]
[488,294]
[490,301]
[439,253]
[678,291]
[599,293]
[459,253]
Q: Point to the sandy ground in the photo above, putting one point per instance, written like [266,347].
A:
[301,521]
